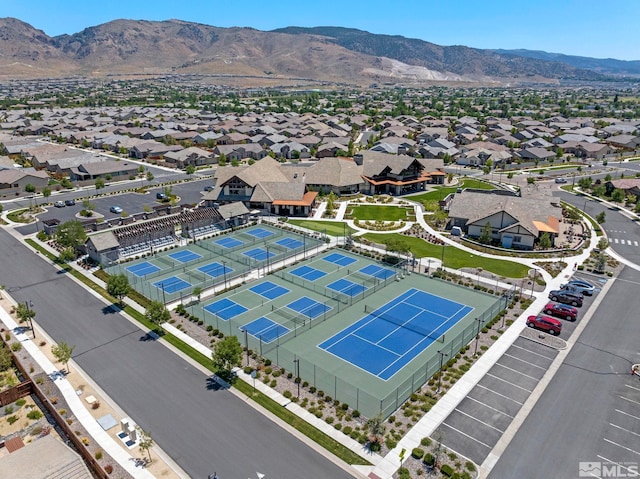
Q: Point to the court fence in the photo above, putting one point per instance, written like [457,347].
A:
[365,402]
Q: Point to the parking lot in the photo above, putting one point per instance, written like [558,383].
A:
[478,422]
[621,434]
[476,425]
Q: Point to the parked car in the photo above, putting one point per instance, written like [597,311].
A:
[161,196]
[566,297]
[561,311]
[208,188]
[59,204]
[115,209]
[545,323]
[70,202]
[581,286]
[561,180]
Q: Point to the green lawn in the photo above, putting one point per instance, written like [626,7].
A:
[379,213]
[332,228]
[441,192]
[454,257]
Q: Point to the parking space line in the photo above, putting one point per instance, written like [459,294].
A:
[621,446]
[466,435]
[632,472]
[632,387]
[624,429]
[630,400]
[526,362]
[492,408]
[532,352]
[478,420]
[516,371]
[627,414]
[498,394]
[505,381]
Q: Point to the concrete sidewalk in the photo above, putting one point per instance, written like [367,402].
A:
[79,410]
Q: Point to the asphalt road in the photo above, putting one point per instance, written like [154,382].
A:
[623,234]
[578,418]
[203,429]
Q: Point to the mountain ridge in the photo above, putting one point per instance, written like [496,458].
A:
[333,54]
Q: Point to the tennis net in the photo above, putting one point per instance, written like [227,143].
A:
[404,323]
[298,318]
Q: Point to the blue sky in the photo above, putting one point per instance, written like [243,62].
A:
[576,27]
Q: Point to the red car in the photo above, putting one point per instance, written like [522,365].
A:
[561,311]
[546,323]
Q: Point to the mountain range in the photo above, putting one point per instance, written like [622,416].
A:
[326,54]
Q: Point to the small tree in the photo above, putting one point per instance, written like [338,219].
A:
[226,355]
[25,314]
[601,218]
[157,314]
[545,241]
[29,188]
[150,176]
[600,263]
[485,235]
[376,432]
[617,196]
[99,183]
[62,352]
[197,292]
[46,192]
[190,170]
[145,442]
[71,234]
[118,286]
[603,244]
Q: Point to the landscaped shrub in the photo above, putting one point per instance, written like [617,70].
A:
[446,470]
[428,459]
[417,453]
[287,394]
[12,419]
[403,473]
[34,415]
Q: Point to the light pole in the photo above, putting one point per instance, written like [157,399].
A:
[479,322]
[297,361]
[533,282]
[29,306]
[442,356]
[267,248]
[246,343]
[224,272]
[164,300]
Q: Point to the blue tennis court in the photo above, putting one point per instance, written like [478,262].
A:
[308,273]
[388,338]
[347,287]
[309,307]
[290,243]
[259,233]
[172,284]
[185,256]
[215,269]
[229,242]
[377,271]
[259,254]
[269,290]
[265,329]
[339,259]
[143,269]
[226,309]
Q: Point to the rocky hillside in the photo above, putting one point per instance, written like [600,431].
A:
[324,53]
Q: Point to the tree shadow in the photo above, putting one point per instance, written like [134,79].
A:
[110,309]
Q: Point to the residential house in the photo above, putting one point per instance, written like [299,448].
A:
[516,222]
[14,181]
[189,156]
[396,174]
[630,186]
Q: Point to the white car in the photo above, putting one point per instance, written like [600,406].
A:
[115,209]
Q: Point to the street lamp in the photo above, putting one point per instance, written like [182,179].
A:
[479,322]
[533,283]
[164,300]
[224,272]
[297,361]
[267,248]
[442,356]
